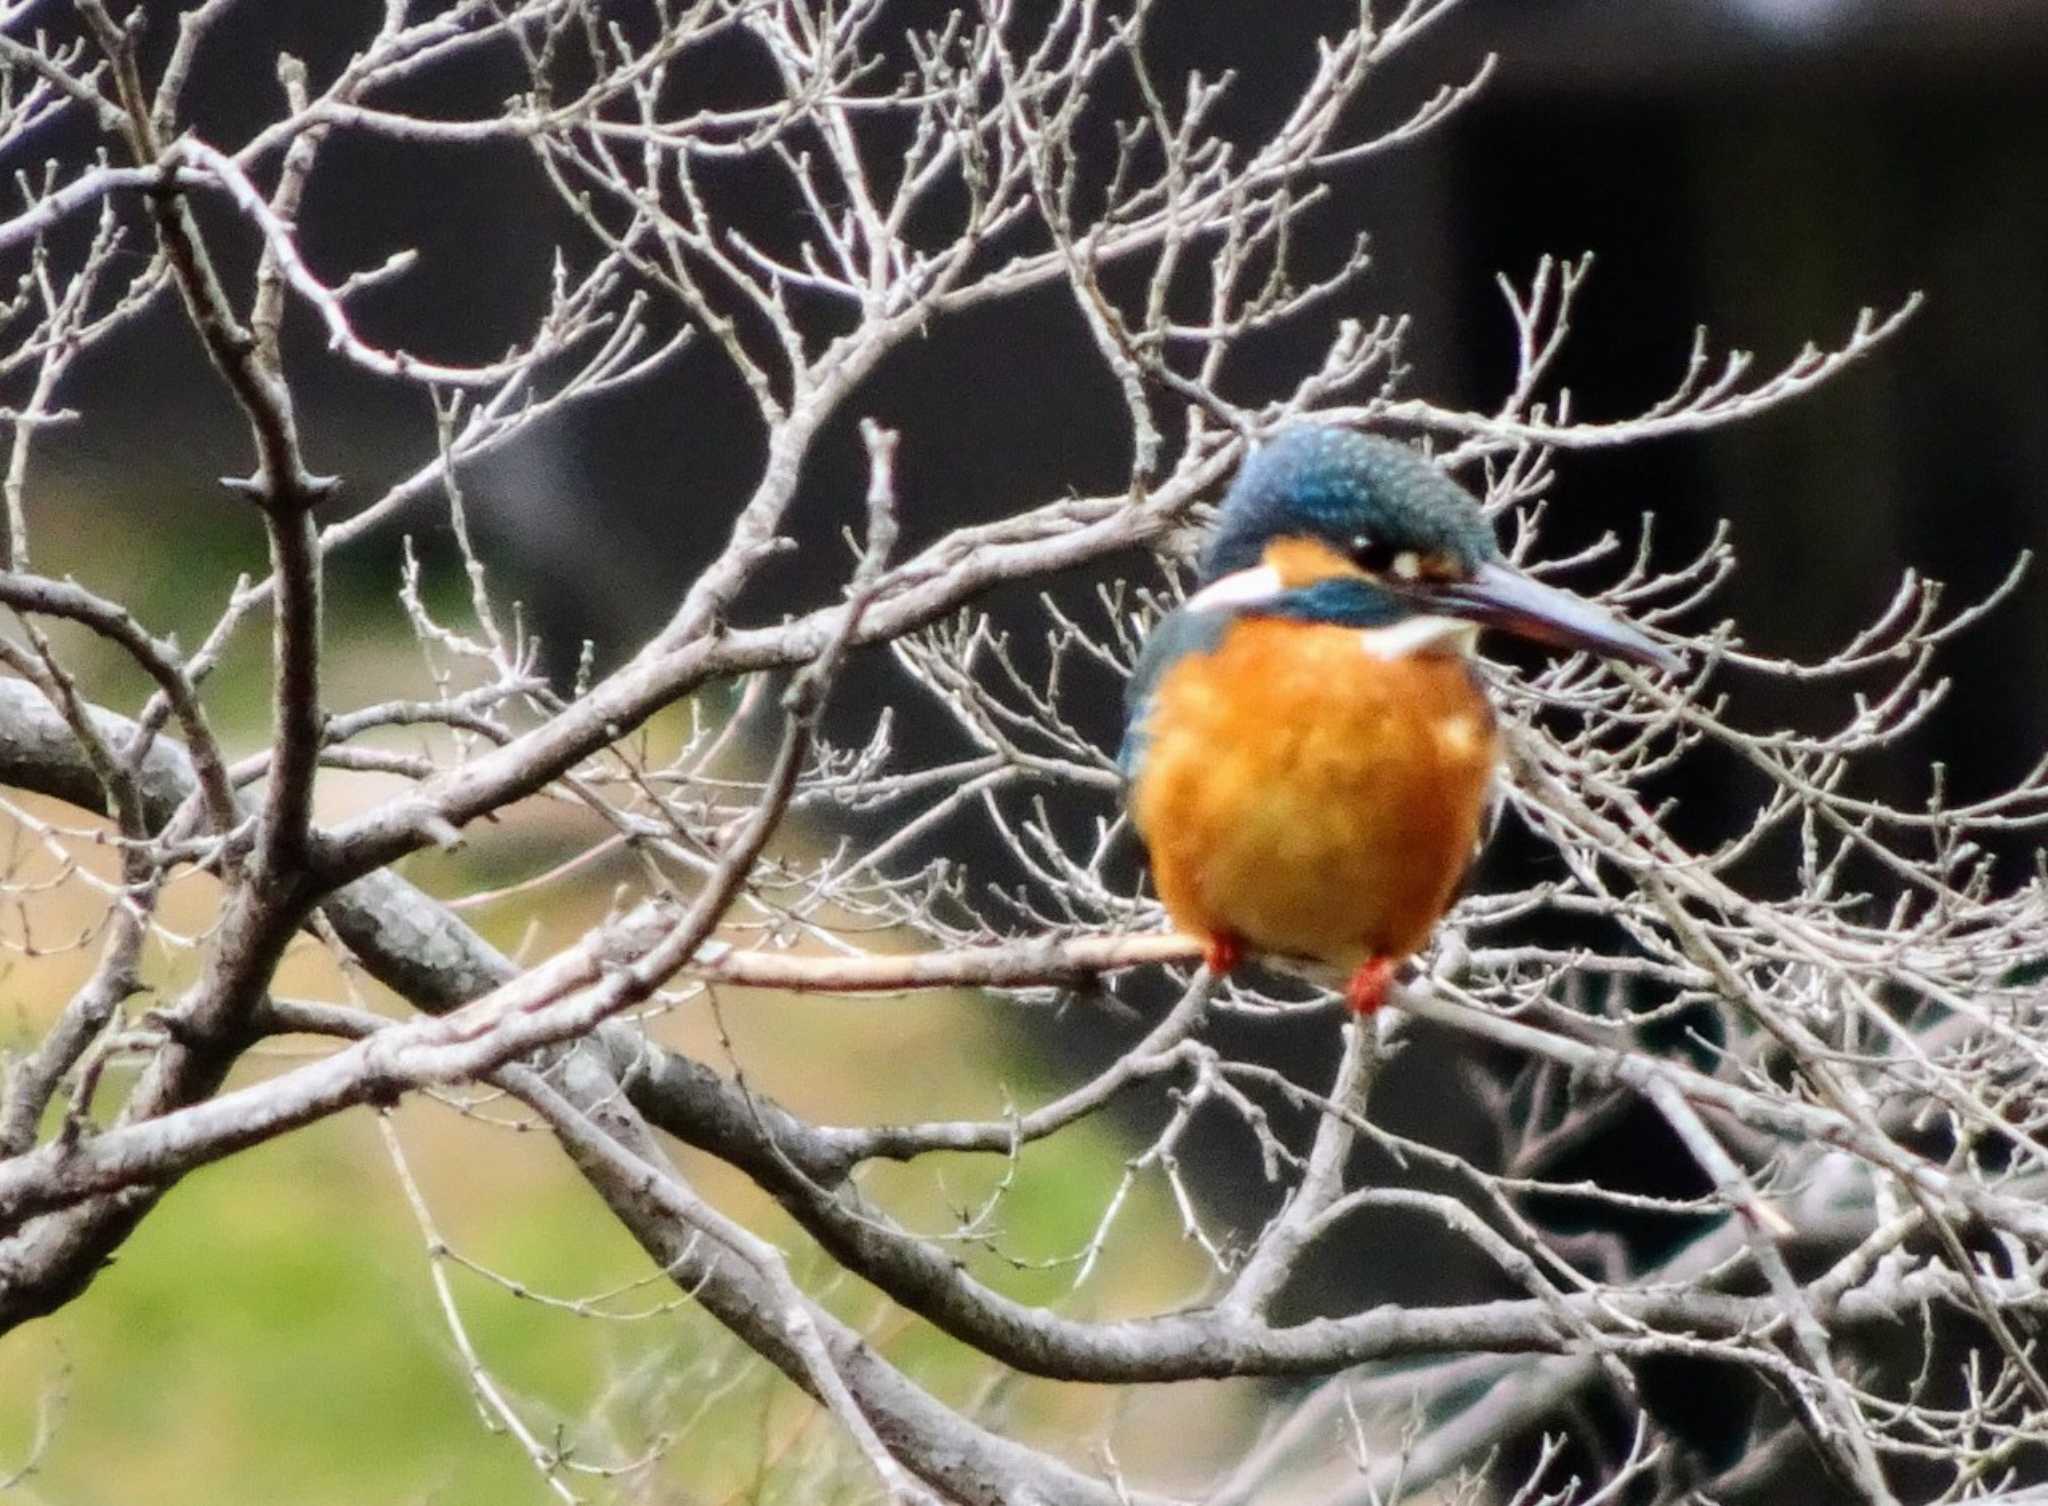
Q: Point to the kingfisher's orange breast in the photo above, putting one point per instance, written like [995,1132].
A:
[1309,797]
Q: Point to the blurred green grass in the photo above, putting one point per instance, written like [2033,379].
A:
[265,1326]
[274,1322]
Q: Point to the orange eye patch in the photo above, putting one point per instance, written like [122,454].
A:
[1302,561]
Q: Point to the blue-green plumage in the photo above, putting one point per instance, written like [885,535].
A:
[1338,485]
[1178,633]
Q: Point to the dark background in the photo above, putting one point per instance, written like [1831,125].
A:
[1764,167]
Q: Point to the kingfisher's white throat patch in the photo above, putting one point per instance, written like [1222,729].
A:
[1421,635]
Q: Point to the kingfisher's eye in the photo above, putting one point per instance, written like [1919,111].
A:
[1371,554]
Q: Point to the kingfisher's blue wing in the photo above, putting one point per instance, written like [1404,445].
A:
[1177,634]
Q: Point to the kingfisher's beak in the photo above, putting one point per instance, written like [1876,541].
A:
[1499,597]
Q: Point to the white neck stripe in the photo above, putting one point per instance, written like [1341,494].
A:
[1260,583]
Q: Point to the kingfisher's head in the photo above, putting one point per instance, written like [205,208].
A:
[1329,525]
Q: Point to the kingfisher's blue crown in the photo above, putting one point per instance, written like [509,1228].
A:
[1338,485]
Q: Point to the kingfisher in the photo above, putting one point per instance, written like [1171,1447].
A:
[1311,756]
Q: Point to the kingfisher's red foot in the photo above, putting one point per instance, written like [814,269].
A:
[1367,990]
[1222,954]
